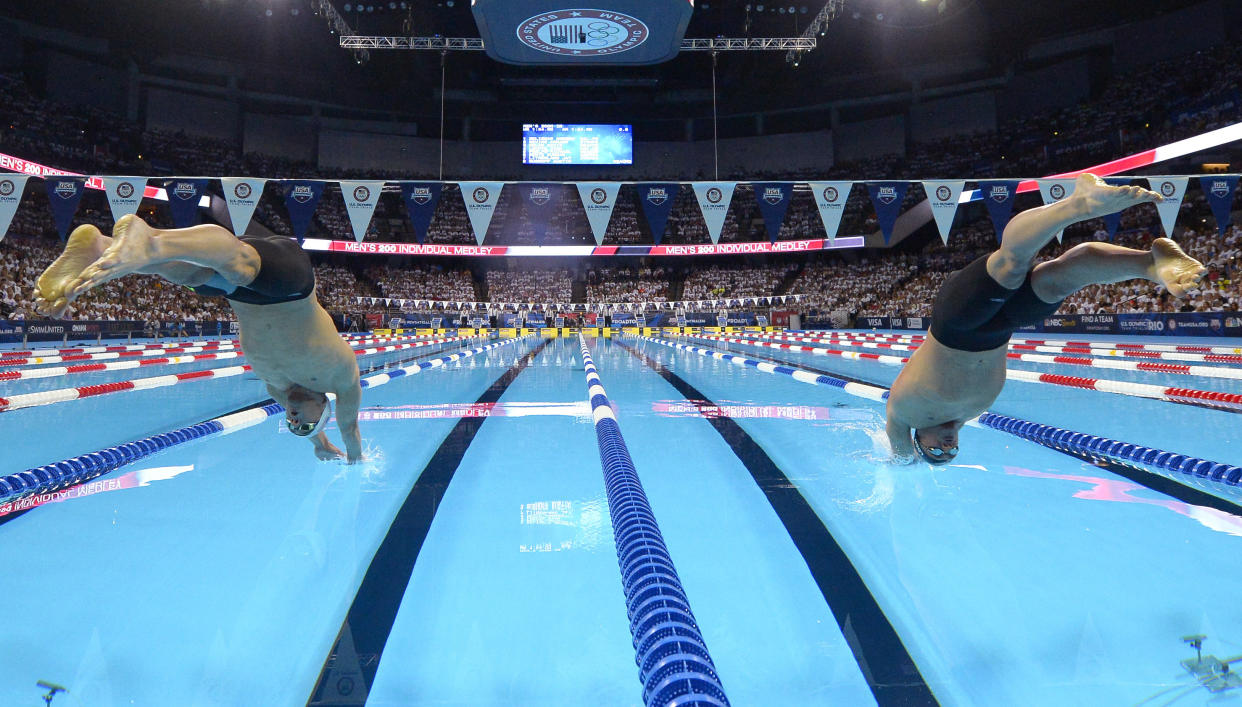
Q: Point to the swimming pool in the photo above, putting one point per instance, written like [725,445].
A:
[471,560]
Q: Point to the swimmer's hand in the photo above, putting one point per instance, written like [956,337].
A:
[902,459]
[326,451]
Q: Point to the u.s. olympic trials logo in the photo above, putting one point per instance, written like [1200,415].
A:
[124,190]
[361,193]
[999,193]
[540,195]
[773,195]
[66,189]
[421,195]
[241,190]
[480,195]
[887,195]
[831,194]
[598,196]
[714,195]
[1057,191]
[1167,189]
[657,195]
[7,187]
[185,190]
[1220,188]
[582,32]
[943,193]
[302,193]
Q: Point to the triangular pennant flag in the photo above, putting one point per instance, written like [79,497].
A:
[887,196]
[1054,190]
[360,200]
[63,195]
[242,196]
[998,197]
[420,203]
[301,200]
[124,194]
[598,199]
[540,201]
[1113,221]
[714,198]
[11,187]
[480,199]
[943,196]
[657,201]
[183,198]
[830,197]
[773,199]
[1171,190]
[1219,192]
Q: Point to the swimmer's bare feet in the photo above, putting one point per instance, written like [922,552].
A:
[133,248]
[1097,198]
[1172,268]
[52,295]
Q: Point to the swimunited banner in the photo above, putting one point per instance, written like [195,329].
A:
[1054,190]
[242,196]
[420,203]
[183,196]
[830,197]
[540,202]
[1219,193]
[63,195]
[301,199]
[11,186]
[943,195]
[887,198]
[480,199]
[773,199]
[714,198]
[657,201]
[998,197]
[1172,190]
[124,194]
[360,199]
[598,199]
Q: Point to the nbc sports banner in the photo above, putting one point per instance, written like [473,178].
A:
[360,199]
[1171,191]
[301,200]
[242,196]
[540,202]
[480,199]
[773,199]
[63,195]
[714,198]
[830,197]
[1219,192]
[998,197]
[183,196]
[887,196]
[11,186]
[420,202]
[124,194]
[1053,190]
[942,195]
[598,198]
[657,201]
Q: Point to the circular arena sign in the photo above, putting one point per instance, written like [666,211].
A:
[582,32]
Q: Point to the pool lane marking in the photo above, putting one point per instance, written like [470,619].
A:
[209,343]
[375,605]
[917,338]
[886,664]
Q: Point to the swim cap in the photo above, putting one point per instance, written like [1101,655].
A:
[306,429]
[944,457]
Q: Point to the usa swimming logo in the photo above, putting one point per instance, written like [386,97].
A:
[999,193]
[773,195]
[66,189]
[421,195]
[887,195]
[1220,188]
[1057,191]
[657,195]
[302,193]
[241,190]
[540,195]
[185,190]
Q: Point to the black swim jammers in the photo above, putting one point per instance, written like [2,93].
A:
[285,274]
[973,312]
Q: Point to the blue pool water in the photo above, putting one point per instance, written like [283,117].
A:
[471,558]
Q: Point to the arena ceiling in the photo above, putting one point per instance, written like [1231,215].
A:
[870,39]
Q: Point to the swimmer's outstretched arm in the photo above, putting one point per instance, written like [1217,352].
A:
[348,401]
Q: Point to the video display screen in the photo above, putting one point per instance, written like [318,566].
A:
[556,143]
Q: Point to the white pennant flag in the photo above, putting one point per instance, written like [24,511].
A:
[1053,190]
[598,198]
[830,197]
[360,200]
[1171,191]
[943,196]
[11,186]
[480,198]
[714,198]
[242,196]
[124,194]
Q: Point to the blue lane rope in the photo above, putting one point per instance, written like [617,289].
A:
[673,663]
[1182,466]
[85,467]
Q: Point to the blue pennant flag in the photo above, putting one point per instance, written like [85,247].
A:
[998,197]
[540,202]
[301,200]
[1113,221]
[183,196]
[773,198]
[420,202]
[887,198]
[657,202]
[63,195]
[1219,193]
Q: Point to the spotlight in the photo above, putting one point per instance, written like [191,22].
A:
[759,8]
[349,8]
[392,6]
[294,12]
[268,12]
[449,3]
[782,10]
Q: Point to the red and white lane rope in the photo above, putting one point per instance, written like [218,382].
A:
[60,395]
[1124,346]
[56,371]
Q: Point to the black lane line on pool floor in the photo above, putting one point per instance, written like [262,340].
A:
[375,605]
[889,669]
[1149,480]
